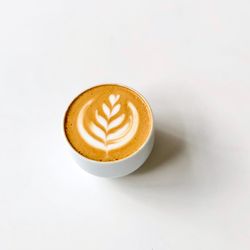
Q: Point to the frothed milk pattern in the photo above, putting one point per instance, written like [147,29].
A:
[108,131]
[108,122]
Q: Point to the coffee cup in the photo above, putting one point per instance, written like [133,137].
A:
[109,129]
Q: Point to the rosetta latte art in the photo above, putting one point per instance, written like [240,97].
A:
[110,131]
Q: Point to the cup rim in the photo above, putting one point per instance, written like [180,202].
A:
[129,156]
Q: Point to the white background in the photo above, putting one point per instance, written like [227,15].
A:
[191,60]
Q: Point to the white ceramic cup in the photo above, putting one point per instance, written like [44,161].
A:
[117,168]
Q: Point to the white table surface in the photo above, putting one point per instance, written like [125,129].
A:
[191,60]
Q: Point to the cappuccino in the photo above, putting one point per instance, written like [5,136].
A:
[108,122]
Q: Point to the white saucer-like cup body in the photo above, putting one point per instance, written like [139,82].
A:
[118,168]
[114,169]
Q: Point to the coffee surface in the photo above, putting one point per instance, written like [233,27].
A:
[108,122]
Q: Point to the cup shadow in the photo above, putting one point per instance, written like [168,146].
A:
[166,148]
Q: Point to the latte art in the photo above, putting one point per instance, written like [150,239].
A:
[108,122]
[109,130]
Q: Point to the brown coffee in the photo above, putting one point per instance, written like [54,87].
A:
[108,122]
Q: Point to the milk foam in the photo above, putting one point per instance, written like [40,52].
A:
[109,132]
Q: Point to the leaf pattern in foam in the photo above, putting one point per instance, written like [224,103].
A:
[98,131]
[119,133]
[104,139]
[106,110]
[116,122]
[101,120]
[115,110]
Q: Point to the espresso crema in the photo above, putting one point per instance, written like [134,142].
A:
[108,122]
